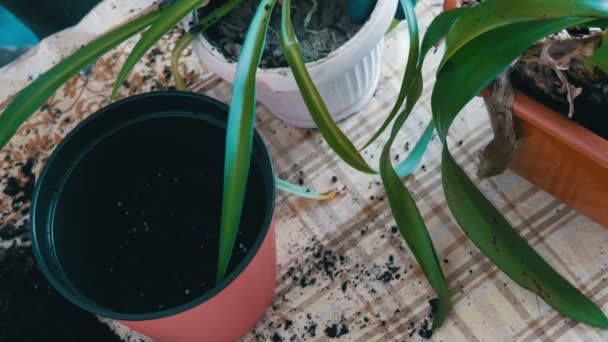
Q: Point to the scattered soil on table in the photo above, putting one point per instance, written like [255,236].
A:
[152,224]
[333,273]
[319,31]
[31,310]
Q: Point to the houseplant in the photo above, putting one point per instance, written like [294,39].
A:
[563,158]
[507,30]
[151,194]
[47,17]
[347,78]
[485,226]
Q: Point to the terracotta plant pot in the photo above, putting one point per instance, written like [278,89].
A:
[560,156]
[126,213]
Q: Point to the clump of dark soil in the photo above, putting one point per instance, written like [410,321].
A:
[31,310]
[320,29]
[336,330]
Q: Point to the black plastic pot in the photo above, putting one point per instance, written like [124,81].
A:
[126,213]
[45,17]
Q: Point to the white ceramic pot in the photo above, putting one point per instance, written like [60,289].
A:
[347,78]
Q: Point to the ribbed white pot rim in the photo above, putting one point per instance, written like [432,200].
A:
[334,64]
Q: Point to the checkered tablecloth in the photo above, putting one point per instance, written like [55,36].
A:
[343,270]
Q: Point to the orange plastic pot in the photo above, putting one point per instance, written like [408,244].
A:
[136,141]
[560,156]
[227,315]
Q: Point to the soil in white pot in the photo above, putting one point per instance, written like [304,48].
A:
[321,26]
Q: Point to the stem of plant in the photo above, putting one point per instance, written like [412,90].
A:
[313,10]
[181,44]
[188,37]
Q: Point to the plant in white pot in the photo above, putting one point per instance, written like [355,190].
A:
[346,78]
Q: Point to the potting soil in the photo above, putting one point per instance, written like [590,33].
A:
[321,27]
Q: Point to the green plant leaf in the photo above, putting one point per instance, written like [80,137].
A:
[169,17]
[464,74]
[406,213]
[188,37]
[181,44]
[37,93]
[492,14]
[600,57]
[304,192]
[435,32]
[408,78]
[410,164]
[332,134]
[394,24]
[239,139]
[475,77]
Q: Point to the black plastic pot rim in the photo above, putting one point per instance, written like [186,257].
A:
[73,295]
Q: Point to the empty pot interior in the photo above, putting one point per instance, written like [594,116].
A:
[136,222]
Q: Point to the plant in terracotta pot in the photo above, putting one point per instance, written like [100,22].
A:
[139,244]
[553,89]
[100,247]
[481,43]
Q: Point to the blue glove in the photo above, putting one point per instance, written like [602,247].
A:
[360,10]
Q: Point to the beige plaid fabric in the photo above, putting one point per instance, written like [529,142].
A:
[343,270]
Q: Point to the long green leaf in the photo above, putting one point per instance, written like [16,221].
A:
[475,77]
[239,139]
[35,94]
[435,32]
[304,192]
[492,14]
[169,17]
[409,165]
[406,213]
[408,78]
[600,57]
[332,134]
[181,44]
[188,37]
[464,74]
